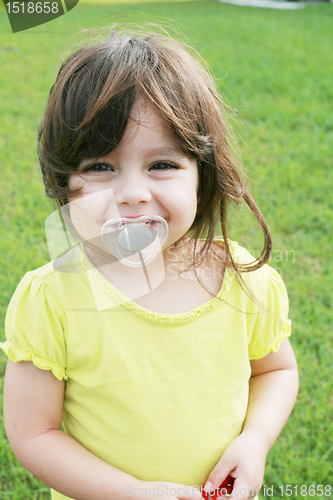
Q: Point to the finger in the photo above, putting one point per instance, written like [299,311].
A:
[217,477]
[188,493]
[220,472]
[241,491]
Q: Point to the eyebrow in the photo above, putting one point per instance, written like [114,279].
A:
[174,153]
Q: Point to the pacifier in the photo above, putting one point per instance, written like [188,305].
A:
[135,242]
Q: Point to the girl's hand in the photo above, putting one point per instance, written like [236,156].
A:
[156,490]
[244,459]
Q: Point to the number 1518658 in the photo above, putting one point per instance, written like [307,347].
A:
[32,8]
[318,490]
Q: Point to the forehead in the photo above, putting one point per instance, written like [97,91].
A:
[145,113]
[147,130]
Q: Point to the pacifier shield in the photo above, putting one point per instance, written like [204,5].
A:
[136,238]
[135,241]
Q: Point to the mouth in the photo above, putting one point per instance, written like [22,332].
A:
[136,216]
[126,240]
[132,216]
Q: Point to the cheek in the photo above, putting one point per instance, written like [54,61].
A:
[85,212]
[81,216]
[75,182]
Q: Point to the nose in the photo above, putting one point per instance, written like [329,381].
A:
[131,190]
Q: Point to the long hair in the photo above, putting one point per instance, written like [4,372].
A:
[89,107]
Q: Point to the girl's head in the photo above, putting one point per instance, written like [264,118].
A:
[97,93]
[146,174]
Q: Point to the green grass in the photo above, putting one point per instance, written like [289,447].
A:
[275,68]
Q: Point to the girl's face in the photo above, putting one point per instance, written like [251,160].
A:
[147,174]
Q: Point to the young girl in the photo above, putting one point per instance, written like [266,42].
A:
[145,376]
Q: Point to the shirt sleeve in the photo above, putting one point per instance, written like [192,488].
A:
[271,325]
[35,327]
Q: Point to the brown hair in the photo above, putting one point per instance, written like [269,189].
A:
[90,104]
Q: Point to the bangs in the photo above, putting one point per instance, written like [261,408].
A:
[103,134]
[92,113]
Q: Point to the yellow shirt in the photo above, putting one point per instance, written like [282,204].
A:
[159,396]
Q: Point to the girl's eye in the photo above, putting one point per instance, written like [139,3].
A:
[98,167]
[164,165]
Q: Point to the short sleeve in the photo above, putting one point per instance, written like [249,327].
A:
[35,327]
[271,325]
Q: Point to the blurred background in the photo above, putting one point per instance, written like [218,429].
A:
[274,68]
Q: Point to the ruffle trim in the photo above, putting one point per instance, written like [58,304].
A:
[15,354]
[285,333]
[152,315]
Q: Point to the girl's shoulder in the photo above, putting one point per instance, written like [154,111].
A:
[239,254]
[36,322]
[261,282]
[242,256]
[57,279]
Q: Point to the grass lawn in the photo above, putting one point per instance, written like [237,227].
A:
[276,69]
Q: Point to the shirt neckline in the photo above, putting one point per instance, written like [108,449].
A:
[155,316]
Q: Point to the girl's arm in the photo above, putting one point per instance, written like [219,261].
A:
[33,406]
[273,390]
